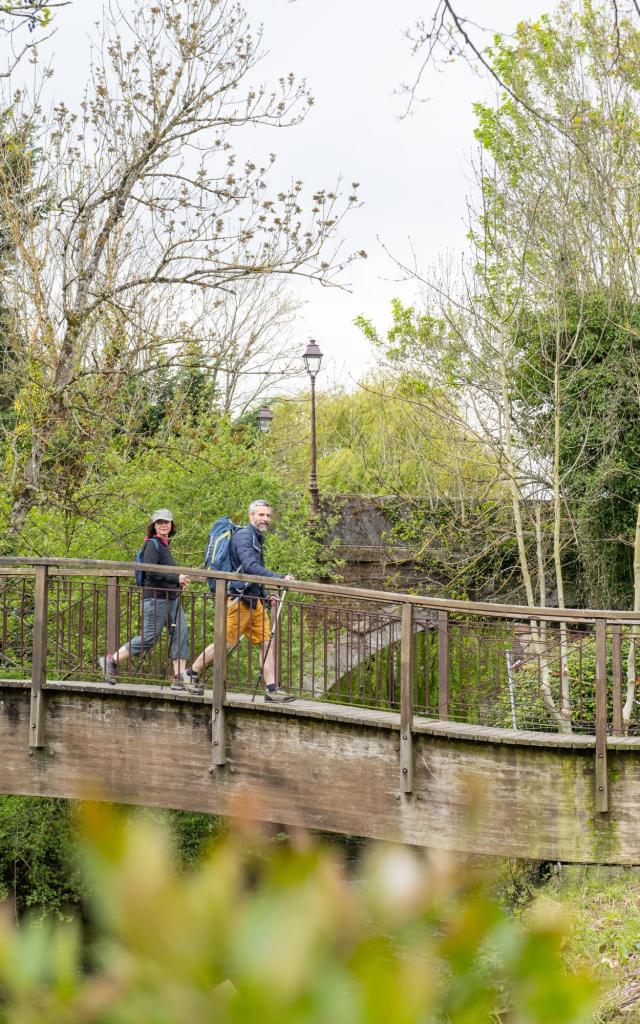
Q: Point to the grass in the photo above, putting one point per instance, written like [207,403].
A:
[603,905]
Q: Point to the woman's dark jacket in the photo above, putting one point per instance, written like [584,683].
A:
[247,556]
[159,584]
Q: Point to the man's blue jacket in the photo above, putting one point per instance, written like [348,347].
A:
[247,556]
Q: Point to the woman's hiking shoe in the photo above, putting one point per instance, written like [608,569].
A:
[276,695]
[109,669]
[188,681]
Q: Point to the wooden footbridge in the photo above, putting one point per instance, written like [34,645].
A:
[476,727]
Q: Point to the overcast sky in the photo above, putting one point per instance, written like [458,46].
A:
[414,173]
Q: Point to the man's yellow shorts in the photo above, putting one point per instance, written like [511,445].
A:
[247,620]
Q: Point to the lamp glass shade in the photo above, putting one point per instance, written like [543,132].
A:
[264,419]
[312,358]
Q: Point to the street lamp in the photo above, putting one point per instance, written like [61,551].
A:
[264,419]
[312,358]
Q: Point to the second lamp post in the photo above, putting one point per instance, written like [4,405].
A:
[312,359]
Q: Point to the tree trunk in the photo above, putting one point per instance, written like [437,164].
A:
[627,710]
[565,698]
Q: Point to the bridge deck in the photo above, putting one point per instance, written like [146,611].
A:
[348,714]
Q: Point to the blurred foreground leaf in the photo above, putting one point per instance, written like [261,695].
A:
[258,933]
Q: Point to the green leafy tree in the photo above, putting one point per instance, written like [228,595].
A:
[37,859]
[556,201]
[520,333]
[39,870]
[203,471]
[559,217]
[599,443]
[453,495]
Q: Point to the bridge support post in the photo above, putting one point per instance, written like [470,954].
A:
[616,679]
[39,658]
[602,796]
[443,664]
[218,741]
[113,614]
[406,699]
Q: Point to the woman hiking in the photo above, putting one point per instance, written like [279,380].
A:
[161,607]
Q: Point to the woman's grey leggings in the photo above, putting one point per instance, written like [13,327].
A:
[158,613]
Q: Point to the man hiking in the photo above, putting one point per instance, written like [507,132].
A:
[246,608]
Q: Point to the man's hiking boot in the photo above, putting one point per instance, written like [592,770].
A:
[109,669]
[277,695]
[188,681]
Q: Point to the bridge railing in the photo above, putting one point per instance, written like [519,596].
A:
[479,663]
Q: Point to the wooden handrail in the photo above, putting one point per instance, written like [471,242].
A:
[406,700]
[39,659]
[218,744]
[96,567]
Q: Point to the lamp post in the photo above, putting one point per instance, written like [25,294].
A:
[312,358]
[264,419]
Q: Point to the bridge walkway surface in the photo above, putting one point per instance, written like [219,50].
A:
[407,723]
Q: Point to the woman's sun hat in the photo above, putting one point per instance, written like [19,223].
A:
[162,513]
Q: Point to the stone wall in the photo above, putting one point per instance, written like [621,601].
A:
[371,556]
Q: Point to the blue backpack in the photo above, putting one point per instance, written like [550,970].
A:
[217,553]
[140,573]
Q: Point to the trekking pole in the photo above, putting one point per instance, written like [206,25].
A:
[171,628]
[230,650]
[273,633]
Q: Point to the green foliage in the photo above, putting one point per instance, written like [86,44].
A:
[287,936]
[389,437]
[605,931]
[34,13]
[464,548]
[18,160]
[38,840]
[171,396]
[478,691]
[400,435]
[517,883]
[455,513]
[410,333]
[557,266]
[580,665]
[37,864]
[598,351]
[193,834]
[202,472]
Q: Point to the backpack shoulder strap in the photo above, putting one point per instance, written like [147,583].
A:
[156,544]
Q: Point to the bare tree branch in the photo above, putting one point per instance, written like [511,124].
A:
[447,36]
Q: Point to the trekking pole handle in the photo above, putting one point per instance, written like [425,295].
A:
[280,601]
